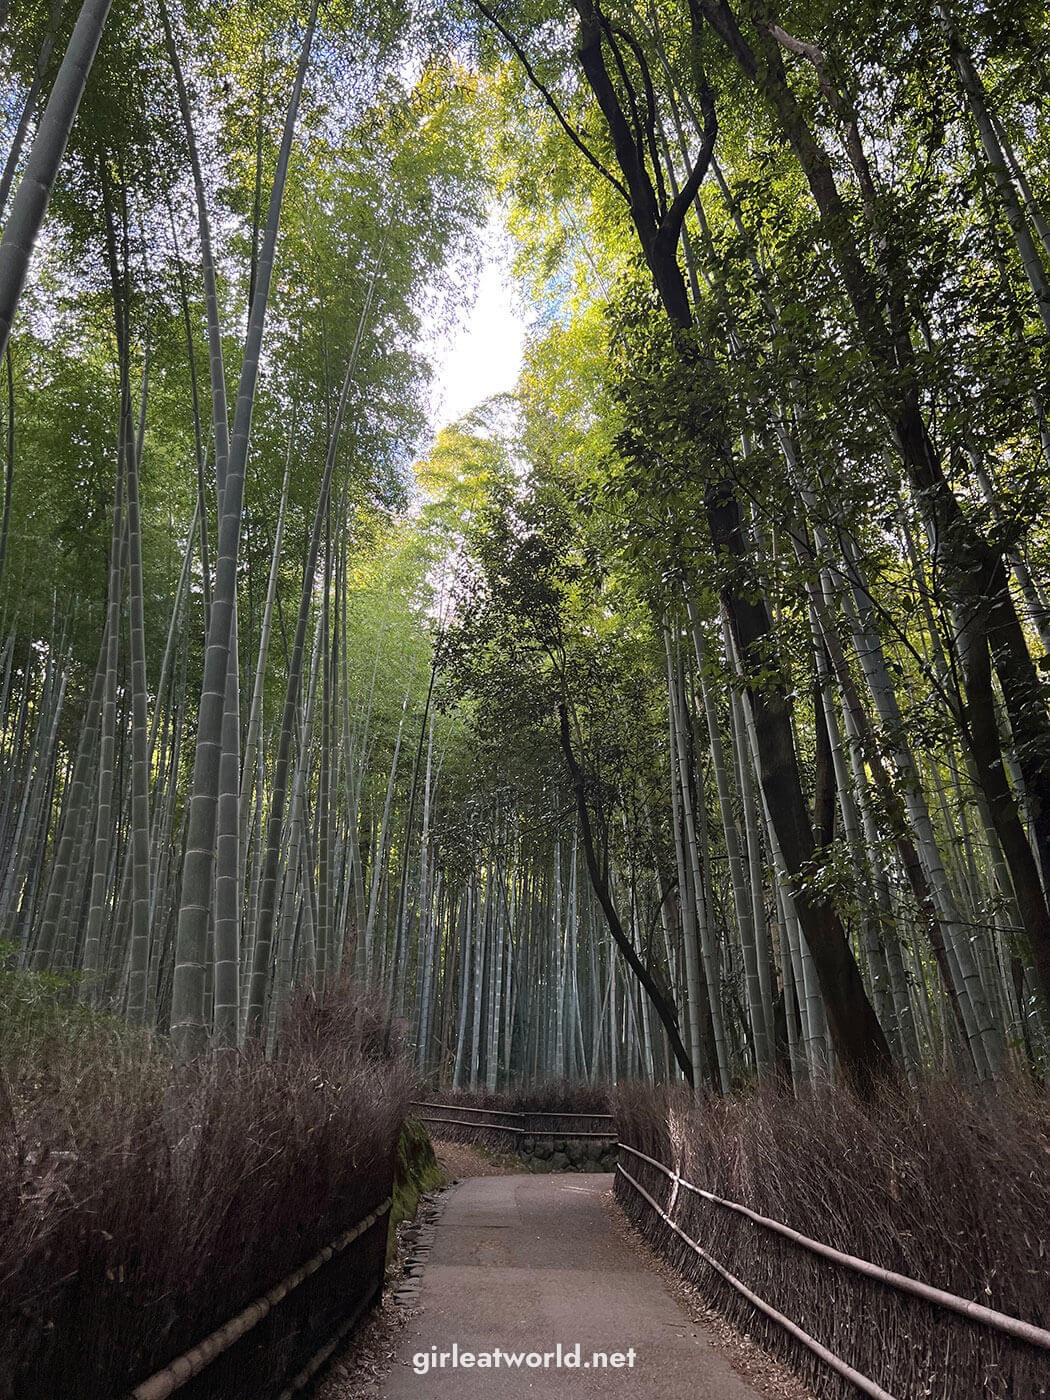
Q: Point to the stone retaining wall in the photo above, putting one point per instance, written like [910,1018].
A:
[544,1154]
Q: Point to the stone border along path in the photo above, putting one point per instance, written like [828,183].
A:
[525,1262]
[431,1208]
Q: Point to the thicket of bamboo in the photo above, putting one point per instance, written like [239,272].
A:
[588,764]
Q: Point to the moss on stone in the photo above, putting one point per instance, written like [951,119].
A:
[417,1172]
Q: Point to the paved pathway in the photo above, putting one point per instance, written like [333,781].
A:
[525,1263]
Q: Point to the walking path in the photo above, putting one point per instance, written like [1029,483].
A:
[524,1264]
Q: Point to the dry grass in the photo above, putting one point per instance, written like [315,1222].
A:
[142,1205]
[948,1186]
[459,1161]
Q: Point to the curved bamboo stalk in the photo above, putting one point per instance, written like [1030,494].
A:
[29,205]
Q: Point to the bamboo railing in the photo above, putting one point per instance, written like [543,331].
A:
[183,1368]
[519,1124]
[938,1297]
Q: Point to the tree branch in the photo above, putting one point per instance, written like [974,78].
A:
[842,108]
[548,97]
[650,106]
[671,224]
[662,1005]
[812,52]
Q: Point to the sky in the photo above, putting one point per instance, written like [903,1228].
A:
[484,354]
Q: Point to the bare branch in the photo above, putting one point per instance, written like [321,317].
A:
[812,52]
[671,224]
[842,108]
[548,97]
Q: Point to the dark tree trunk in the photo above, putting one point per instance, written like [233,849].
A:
[824,774]
[858,1037]
[859,1041]
[971,643]
[974,574]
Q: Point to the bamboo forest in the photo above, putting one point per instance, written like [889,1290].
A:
[659,732]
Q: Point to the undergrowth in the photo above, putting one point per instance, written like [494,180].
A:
[543,1096]
[143,1203]
[948,1186]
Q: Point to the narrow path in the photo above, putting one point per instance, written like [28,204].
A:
[524,1264]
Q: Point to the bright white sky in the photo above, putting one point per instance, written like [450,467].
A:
[485,352]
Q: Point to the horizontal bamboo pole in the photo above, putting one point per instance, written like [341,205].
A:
[508,1128]
[507,1112]
[175,1375]
[463,1108]
[857,1378]
[974,1312]
[320,1357]
[608,1117]
[461,1123]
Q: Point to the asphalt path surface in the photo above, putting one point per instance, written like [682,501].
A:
[525,1265]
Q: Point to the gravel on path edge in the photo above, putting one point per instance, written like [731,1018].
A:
[770,1377]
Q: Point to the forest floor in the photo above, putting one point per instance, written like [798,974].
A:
[521,1264]
[459,1161]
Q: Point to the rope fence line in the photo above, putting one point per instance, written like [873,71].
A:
[178,1372]
[973,1312]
